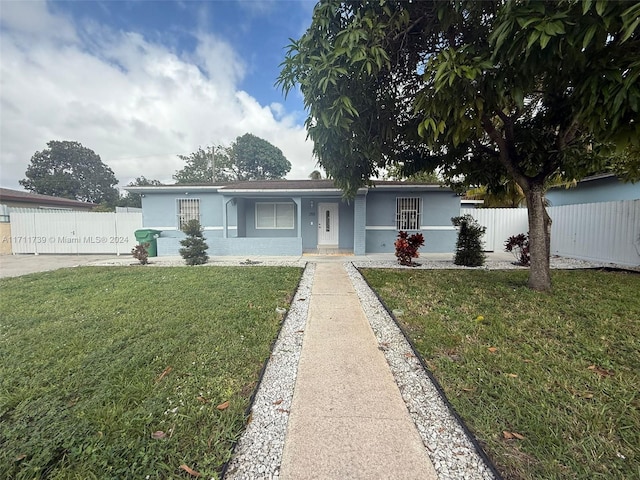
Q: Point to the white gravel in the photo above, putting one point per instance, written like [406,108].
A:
[426,263]
[258,453]
[452,453]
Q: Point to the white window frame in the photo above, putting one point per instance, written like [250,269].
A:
[188,209]
[408,213]
[274,226]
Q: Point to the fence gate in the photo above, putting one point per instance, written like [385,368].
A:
[74,232]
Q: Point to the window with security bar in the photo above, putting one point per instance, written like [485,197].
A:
[408,213]
[188,209]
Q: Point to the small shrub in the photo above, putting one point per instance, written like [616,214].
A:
[469,245]
[195,248]
[407,247]
[141,253]
[519,246]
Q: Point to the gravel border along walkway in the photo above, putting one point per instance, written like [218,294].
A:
[258,453]
[452,452]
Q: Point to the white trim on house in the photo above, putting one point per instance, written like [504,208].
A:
[393,228]
[410,186]
[286,192]
[165,229]
[185,189]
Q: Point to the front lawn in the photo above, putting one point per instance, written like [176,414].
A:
[549,384]
[132,372]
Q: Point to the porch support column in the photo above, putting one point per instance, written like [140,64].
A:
[225,202]
[298,202]
[360,224]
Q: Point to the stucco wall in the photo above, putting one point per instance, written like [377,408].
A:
[218,246]
[437,209]
[376,234]
[160,210]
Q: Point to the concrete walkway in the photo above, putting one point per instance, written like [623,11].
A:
[347,419]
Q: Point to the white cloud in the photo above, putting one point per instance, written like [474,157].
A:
[134,102]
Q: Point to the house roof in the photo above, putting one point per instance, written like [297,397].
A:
[597,177]
[272,186]
[590,178]
[8,195]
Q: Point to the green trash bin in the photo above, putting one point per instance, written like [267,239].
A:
[148,235]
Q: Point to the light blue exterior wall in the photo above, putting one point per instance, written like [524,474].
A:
[359,225]
[367,223]
[345,233]
[309,223]
[607,189]
[437,209]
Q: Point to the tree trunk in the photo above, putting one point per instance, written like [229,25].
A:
[539,240]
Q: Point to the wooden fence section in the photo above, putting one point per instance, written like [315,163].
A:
[607,232]
[73,232]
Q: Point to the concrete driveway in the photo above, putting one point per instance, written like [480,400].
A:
[16,265]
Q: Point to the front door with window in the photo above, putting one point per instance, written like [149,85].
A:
[328,224]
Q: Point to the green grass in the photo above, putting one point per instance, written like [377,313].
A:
[82,353]
[561,370]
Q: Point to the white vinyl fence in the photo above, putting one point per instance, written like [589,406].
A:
[501,223]
[73,232]
[607,232]
[603,232]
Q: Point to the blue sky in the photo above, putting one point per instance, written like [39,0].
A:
[139,82]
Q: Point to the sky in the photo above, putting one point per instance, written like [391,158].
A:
[140,82]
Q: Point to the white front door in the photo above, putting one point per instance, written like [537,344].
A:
[328,222]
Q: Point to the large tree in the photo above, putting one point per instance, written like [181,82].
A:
[67,169]
[253,158]
[205,165]
[248,158]
[484,92]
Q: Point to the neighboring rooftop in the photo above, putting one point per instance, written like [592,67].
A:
[18,198]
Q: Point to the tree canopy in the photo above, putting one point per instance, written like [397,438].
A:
[135,199]
[252,158]
[67,169]
[200,165]
[248,158]
[482,92]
